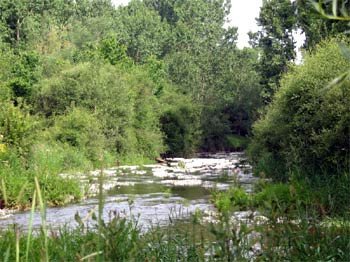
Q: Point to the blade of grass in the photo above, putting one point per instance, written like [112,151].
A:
[91,255]
[7,254]
[43,218]
[30,225]
[17,244]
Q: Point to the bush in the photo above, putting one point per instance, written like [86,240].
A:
[275,197]
[307,125]
[329,195]
[236,142]
[216,128]
[234,198]
[46,161]
[82,130]
[14,189]
[53,158]
[16,127]
[120,98]
[58,190]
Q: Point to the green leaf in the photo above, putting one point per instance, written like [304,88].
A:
[318,7]
[335,7]
[7,254]
[338,80]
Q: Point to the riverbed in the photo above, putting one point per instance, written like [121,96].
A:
[149,194]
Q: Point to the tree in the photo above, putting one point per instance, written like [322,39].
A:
[141,30]
[13,15]
[275,39]
[197,35]
[232,106]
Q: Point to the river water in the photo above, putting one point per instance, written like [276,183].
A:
[150,194]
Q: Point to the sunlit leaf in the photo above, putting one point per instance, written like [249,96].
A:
[334,7]
[318,7]
[338,80]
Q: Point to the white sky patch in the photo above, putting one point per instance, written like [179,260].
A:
[120,2]
[299,38]
[243,14]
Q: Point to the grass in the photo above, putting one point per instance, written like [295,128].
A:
[134,159]
[301,220]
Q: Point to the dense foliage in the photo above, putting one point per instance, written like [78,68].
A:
[90,83]
[84,84]
[275,39]
[306,128]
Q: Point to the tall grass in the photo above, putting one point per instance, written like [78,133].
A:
[43,219]
[30,227]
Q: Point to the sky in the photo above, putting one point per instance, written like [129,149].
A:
[120,2]
[243,14]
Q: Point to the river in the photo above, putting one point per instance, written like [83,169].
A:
[150,194]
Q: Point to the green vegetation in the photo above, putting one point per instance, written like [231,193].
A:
[85,84]
[290,224]
[306,128]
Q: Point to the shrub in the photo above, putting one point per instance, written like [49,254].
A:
[307,125]
[232,199]
[82,130]
[121,98]
[16,127]
[275,197]
[237,142]
[52,157]
[58,190]
[14,188]
[180,123]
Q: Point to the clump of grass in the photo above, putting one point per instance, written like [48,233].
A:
[134,159]
[233,199]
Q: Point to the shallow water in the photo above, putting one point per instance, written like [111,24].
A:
[151,194]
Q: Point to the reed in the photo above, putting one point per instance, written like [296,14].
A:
[43,219]
[30,227]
